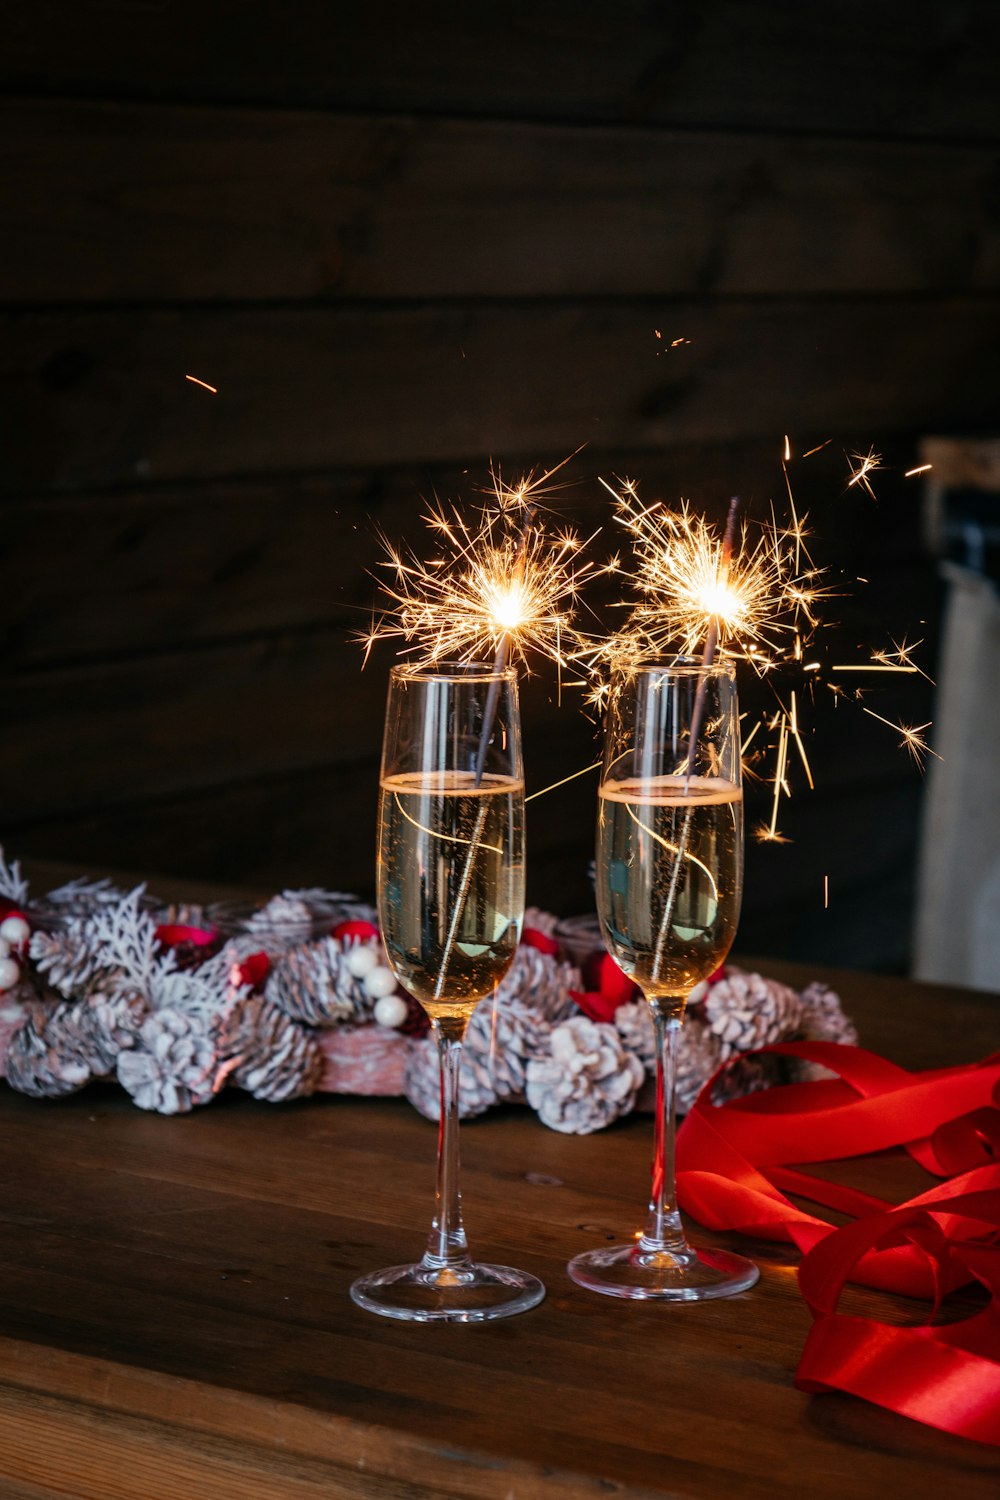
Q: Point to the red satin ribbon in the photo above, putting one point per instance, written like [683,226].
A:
[735,1164]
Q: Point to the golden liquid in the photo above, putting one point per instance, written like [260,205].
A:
[669,877]
[450,884]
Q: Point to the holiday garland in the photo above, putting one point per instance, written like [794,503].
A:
[296,996]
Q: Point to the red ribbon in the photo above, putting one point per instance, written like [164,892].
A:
[733,1163]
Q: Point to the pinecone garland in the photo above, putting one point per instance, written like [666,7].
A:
[586,1079]
[54,1052]
[261,1049]
[311,983]
[171,1067]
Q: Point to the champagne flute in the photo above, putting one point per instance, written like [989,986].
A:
[451,904]
[669,884]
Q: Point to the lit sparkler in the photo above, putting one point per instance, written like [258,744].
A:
[502,583]
[755,598]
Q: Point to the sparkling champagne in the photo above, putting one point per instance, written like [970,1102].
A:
[451,884]
[669,873]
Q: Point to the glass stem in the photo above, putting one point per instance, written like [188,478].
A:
[664,1233]
[447,1248]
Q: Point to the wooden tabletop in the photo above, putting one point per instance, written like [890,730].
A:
[175,1319]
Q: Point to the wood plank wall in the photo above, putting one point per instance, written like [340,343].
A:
[402,241]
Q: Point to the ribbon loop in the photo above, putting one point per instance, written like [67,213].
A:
[737,1161]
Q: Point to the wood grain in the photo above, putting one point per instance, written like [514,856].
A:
[100,398]
[174,1291]
[164,204]
[896,70]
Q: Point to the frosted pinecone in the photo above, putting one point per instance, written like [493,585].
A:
[264,1051]
[823,1020]
[540,921]
[422,1086]
[634,1025]
[586,1080]
[172,1065]
[699,1053]
[116,1018]
[64,957]
[504,1033]
[312,983]
[54,1052]
[285,920]
[747,1011]
[541,984]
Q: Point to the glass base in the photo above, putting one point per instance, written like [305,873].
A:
[467,1294]
[691,1276]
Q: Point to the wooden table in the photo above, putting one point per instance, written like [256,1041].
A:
[174,1317]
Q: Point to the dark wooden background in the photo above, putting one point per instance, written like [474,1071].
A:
[404,240]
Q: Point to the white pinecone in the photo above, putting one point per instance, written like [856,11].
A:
[285,921]
[116,1018]
[65,958]
[634,1025]
[540,921]
[265,1052]
[540,983]
[54,1052]
[503,1034]
[586,1080]
[312,983]
[823,1020]
[747,1011]
[422,1081]
[699,1053]
[171,1068]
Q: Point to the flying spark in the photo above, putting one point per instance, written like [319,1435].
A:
[867,463]
[912,737]
[203,383]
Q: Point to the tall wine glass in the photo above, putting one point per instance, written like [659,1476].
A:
[669,884]
[451,904]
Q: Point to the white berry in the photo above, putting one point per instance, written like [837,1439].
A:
[378,983]
[699,992]
[9,973]
[391,1010]
[15,931]
[361,959]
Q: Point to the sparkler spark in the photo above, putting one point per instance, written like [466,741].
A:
[501,581]
[203,383]
[867,463]
[912,737]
